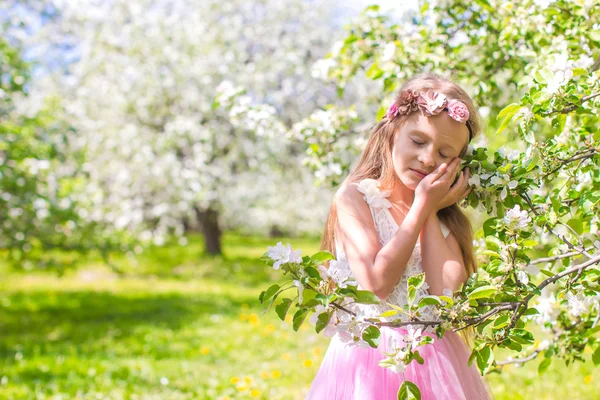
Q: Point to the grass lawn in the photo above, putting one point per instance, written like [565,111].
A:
[179,325]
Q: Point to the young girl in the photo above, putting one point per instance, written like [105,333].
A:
[396,216]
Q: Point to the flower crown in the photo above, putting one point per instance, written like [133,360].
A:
[432,103]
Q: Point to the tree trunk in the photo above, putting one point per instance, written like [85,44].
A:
[209,224]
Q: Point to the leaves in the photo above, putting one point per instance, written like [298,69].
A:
[366,297]
[482,292]
[283,308]
[266,295]
[299,318]
[321,256]
[409,391]
[322,321]
[371,336]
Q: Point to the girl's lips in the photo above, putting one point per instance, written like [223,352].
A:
[418,173]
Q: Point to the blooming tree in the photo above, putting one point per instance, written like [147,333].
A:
[533,66]
[140,94]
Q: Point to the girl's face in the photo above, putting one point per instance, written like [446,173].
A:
[423,143]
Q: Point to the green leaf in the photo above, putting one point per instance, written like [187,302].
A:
[447,299]
[312,272]
[531,311]
[269,293]
[544,365]
[322,321]
[510,109]
[409,391]
[299,318]
[412,294]
[501,322]
[482,292]
[366,297]
[429,300]
[596,356]
[371,336]
[522,336]
[576,224]
[282,308]
[322,256]
[489,227]
[417,280]
[485,358]
[389,313]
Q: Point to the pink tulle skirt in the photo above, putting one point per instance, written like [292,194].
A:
[353,373]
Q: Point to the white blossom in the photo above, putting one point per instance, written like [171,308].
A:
[516,218]
[283,254]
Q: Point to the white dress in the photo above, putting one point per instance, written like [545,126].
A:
[386,227]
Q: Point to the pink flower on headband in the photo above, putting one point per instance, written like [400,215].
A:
[432,102]
[458,110]
[392,111]
[407,102]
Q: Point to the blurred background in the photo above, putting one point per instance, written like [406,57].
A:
[151,151]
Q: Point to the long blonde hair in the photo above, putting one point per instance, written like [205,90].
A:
[376,163]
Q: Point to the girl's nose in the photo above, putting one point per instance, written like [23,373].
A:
[427,159]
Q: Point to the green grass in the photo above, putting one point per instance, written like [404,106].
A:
[179,325]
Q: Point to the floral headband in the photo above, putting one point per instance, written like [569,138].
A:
[432,103]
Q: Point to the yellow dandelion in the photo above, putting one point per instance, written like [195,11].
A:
[204,350]
[317,351]
[248,380]
[253,319]
[269,329]
[303,328]
[242,388]
[255,393]
[243,317]
[307,363]
[588,379]
[264,375]
[288,318]
[234,380]
[286,356]
[276,374]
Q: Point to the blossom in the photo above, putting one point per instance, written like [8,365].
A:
[523,277]
[516,218]
[388,51]
[432,102]
[341,276]
[458,110]
[300,287]
[474,180]
[577,304]
[283,254]
[413,336]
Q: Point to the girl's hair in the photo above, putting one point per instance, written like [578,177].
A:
[376,163]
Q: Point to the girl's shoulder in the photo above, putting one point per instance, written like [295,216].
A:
[373,194]
[366,190]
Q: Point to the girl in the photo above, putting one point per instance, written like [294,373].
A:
[395,216]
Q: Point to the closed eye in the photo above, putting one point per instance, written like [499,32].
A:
[420,144]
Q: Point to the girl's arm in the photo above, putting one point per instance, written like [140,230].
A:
[443,263]
[376,268]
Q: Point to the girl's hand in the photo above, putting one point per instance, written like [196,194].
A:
[458,191]
[433,188]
